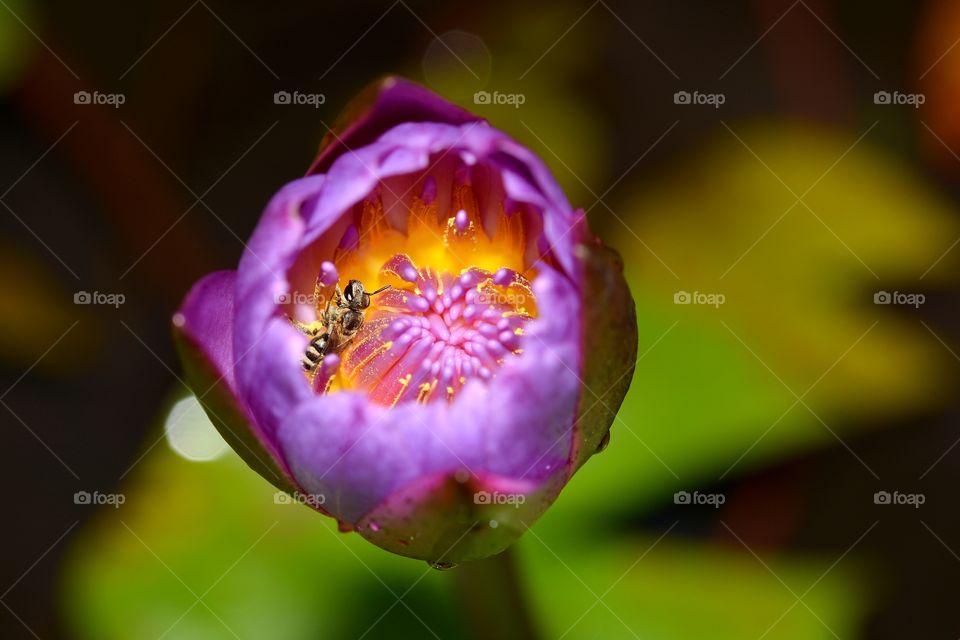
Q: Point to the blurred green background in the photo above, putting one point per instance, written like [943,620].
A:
[792,399]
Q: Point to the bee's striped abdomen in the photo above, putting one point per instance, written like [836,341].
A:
[315,352]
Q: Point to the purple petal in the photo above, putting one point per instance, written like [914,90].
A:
[380,107]
[203,329]
[264,344]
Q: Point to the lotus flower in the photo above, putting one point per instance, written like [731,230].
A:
[486,374]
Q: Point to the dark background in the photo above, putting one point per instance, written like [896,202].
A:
[146,198]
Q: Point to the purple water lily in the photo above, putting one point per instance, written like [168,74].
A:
[476,383]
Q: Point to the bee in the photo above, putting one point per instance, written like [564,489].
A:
[338,324]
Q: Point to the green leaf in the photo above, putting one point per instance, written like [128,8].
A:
[714,390]
[674,589]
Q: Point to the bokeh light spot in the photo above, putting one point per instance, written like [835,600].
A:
[190,433]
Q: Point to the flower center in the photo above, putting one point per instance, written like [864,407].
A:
[458,301]
[436,332]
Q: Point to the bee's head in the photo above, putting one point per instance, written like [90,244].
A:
[356,297]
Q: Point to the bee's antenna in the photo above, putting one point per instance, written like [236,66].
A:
[383,288]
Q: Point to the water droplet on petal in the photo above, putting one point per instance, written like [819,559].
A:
[603,442]
[494,524]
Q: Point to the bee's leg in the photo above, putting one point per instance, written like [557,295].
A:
[302,327]
[318,290]
[330,318]
[327,318]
